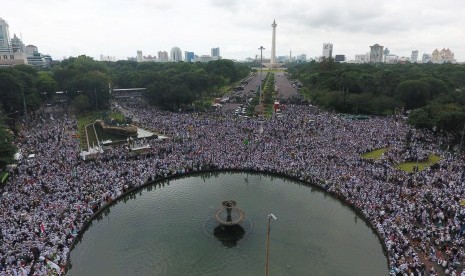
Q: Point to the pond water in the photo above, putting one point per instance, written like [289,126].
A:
[166,229]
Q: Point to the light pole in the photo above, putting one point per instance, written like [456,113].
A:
[25,110]
[270,216]
[461,140]
[261,71]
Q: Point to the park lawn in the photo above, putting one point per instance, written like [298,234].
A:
[410,166]
[117,116]
[89,118]
[4,177]
[375,154]
[225,88]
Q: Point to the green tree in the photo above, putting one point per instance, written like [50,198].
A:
[413,93]
[81,103]
[11,93]
[420,118]
[46,84]
[7,148]
[451,121]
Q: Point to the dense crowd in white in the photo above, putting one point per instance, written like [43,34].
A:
[48,199]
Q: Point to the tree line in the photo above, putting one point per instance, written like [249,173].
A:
[86,83]
[85,86]
[432,94]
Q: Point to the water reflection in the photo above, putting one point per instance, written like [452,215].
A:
[229,235]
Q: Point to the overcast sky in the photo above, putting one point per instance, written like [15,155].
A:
[64,28]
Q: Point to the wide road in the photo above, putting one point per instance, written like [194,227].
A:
[286,88]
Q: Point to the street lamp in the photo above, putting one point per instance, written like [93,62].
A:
[24,104]
[270,216]
[261,71]
[461,140]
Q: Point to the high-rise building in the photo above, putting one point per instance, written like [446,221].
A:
[4,37]
[31,50]
[376,53]
[163,56]
[176,54]
[426,58]
[327,50]
[17,45]
[362,58]
[139,56]
[340,58]
[443,56]
[107,58]
[301,58]
[414,56]
[204,58]
[215,53]
[391,58]
[189,56]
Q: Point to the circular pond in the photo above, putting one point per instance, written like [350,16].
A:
[165,229]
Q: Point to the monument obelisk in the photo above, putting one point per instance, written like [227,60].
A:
[273,45]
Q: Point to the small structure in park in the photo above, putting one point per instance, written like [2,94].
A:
[118,129]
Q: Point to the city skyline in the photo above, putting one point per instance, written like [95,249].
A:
[119,28]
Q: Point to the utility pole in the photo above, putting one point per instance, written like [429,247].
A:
[261,72]
[461,140]
[96,102]
[25,110]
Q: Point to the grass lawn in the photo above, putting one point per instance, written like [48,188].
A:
[117,116]
[410,166]
[375,154]
[88,118]
[3,177]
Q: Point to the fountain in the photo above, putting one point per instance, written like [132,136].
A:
[232,216]
[229,232]
[184,229]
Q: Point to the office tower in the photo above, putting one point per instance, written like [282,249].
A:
[189,56]
[376,53]
[31,50]
[414,57]
[327,50]
[4,37]
[139,56]
[204,58]
[17,45]
[175,54]
[107,58]
[301,58]
[162,56]
[340,58]
[443,56]
[362,58]
[426,58]
[215,53]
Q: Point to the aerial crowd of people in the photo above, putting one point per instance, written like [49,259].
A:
[418,216]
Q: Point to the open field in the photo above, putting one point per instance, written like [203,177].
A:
[375,154]
[407,166]
[410,166]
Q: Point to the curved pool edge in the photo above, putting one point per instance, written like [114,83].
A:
[134,190]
